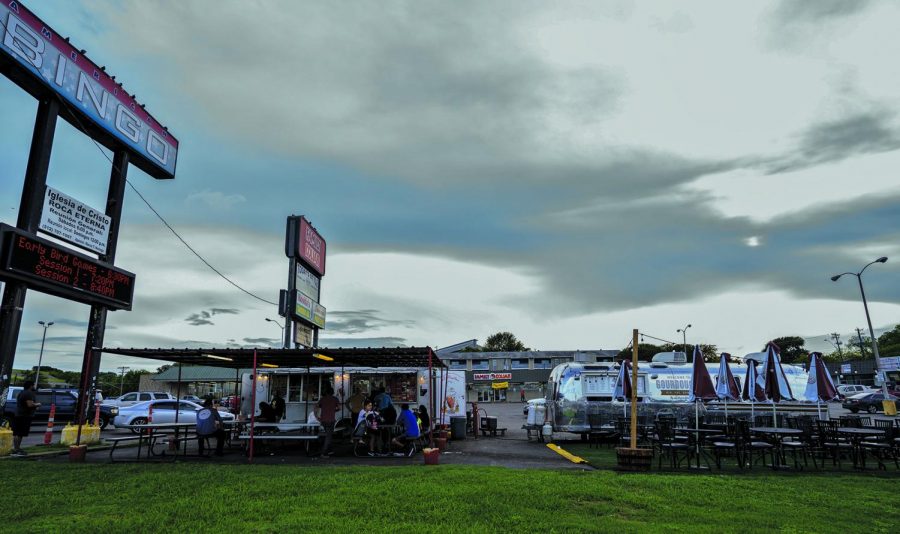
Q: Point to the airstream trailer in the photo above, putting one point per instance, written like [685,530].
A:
[575,390]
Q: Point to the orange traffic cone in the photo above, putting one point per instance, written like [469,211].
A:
[48,435]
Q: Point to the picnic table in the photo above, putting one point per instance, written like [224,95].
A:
[150,433]
[695,436]
[856,436]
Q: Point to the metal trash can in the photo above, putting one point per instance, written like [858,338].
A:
[457,427]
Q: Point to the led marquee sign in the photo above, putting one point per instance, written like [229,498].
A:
[59,271]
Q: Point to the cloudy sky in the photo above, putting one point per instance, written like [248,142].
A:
[567,171]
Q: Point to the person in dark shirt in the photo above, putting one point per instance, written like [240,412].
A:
[266,413]
[424,421]
[326,408]
[25,407]
[278,406]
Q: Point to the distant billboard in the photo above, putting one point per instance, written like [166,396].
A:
[307,283]
[40,60]
[304,243]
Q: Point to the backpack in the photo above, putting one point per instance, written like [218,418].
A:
[372,420]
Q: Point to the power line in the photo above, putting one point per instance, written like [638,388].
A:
[158,215]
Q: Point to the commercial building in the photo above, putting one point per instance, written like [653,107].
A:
[199,380]
[506,376]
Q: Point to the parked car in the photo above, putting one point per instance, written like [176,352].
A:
[65,401]
[163,412]
[192,398]
[848,390]
[134,397]
[869,402]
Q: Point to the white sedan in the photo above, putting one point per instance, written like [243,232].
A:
[163,412]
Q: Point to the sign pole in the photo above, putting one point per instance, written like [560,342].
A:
[634,386]
[115,197]
[29,218]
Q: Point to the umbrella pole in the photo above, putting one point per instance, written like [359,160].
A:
[726,410]
[774,414]
[819,409]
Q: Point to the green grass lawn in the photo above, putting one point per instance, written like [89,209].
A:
[55,496]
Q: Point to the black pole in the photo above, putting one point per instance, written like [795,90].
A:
[114,199]
[33,191]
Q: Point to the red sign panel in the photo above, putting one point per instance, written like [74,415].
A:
[311,247]
[48,267]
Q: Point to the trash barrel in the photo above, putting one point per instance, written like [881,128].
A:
[458,427]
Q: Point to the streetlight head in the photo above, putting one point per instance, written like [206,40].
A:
[835,277]
[270,320]
[689,326]
[41,323]
[882,259]
[50,323]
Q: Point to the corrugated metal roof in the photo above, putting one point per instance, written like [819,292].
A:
[197,373]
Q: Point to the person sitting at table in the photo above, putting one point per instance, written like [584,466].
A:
[385,406]
[266,413]
[209,423]
[278,406]
[424,421]
[406,420]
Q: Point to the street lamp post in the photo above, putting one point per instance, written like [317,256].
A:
[862,292]
[37,375]
[683,332]
[283,341]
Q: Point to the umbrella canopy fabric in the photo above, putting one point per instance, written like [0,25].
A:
[701,383]
[622,389]
[776,384]
[752,390]
[726,388]
[819,386]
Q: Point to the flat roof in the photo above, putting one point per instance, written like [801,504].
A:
[242,358]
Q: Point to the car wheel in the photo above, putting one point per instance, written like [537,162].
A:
[138,421]
[104,422]
[872,408]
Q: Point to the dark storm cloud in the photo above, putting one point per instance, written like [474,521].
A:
[354,322]
[226,311]
[870,132]
[817,11]
[198,319]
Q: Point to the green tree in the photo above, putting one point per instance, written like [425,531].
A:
[645,352]
[889,342]
[504,342]
[792,350]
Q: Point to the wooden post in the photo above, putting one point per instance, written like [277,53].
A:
[634,386]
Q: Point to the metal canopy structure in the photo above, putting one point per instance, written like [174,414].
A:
[243,358]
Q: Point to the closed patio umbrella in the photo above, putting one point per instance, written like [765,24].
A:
[622,388]
[753,392]
[702,389]
[726,388]
[820,386]
[776,384]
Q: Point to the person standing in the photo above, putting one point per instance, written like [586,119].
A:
[278,406]
[325,410]
[25,408]
[522,394]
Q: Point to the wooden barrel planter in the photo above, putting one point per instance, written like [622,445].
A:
[634,459]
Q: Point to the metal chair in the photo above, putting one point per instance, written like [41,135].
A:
[882,449]
[727,444]
[668,446]
[749,446]
[831,441]
[803,446]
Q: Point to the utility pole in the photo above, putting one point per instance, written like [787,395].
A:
[122,370]
[862,350]
[837,343]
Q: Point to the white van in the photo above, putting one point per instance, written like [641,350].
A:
[848,390]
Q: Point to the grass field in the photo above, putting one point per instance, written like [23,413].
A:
[196,497]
